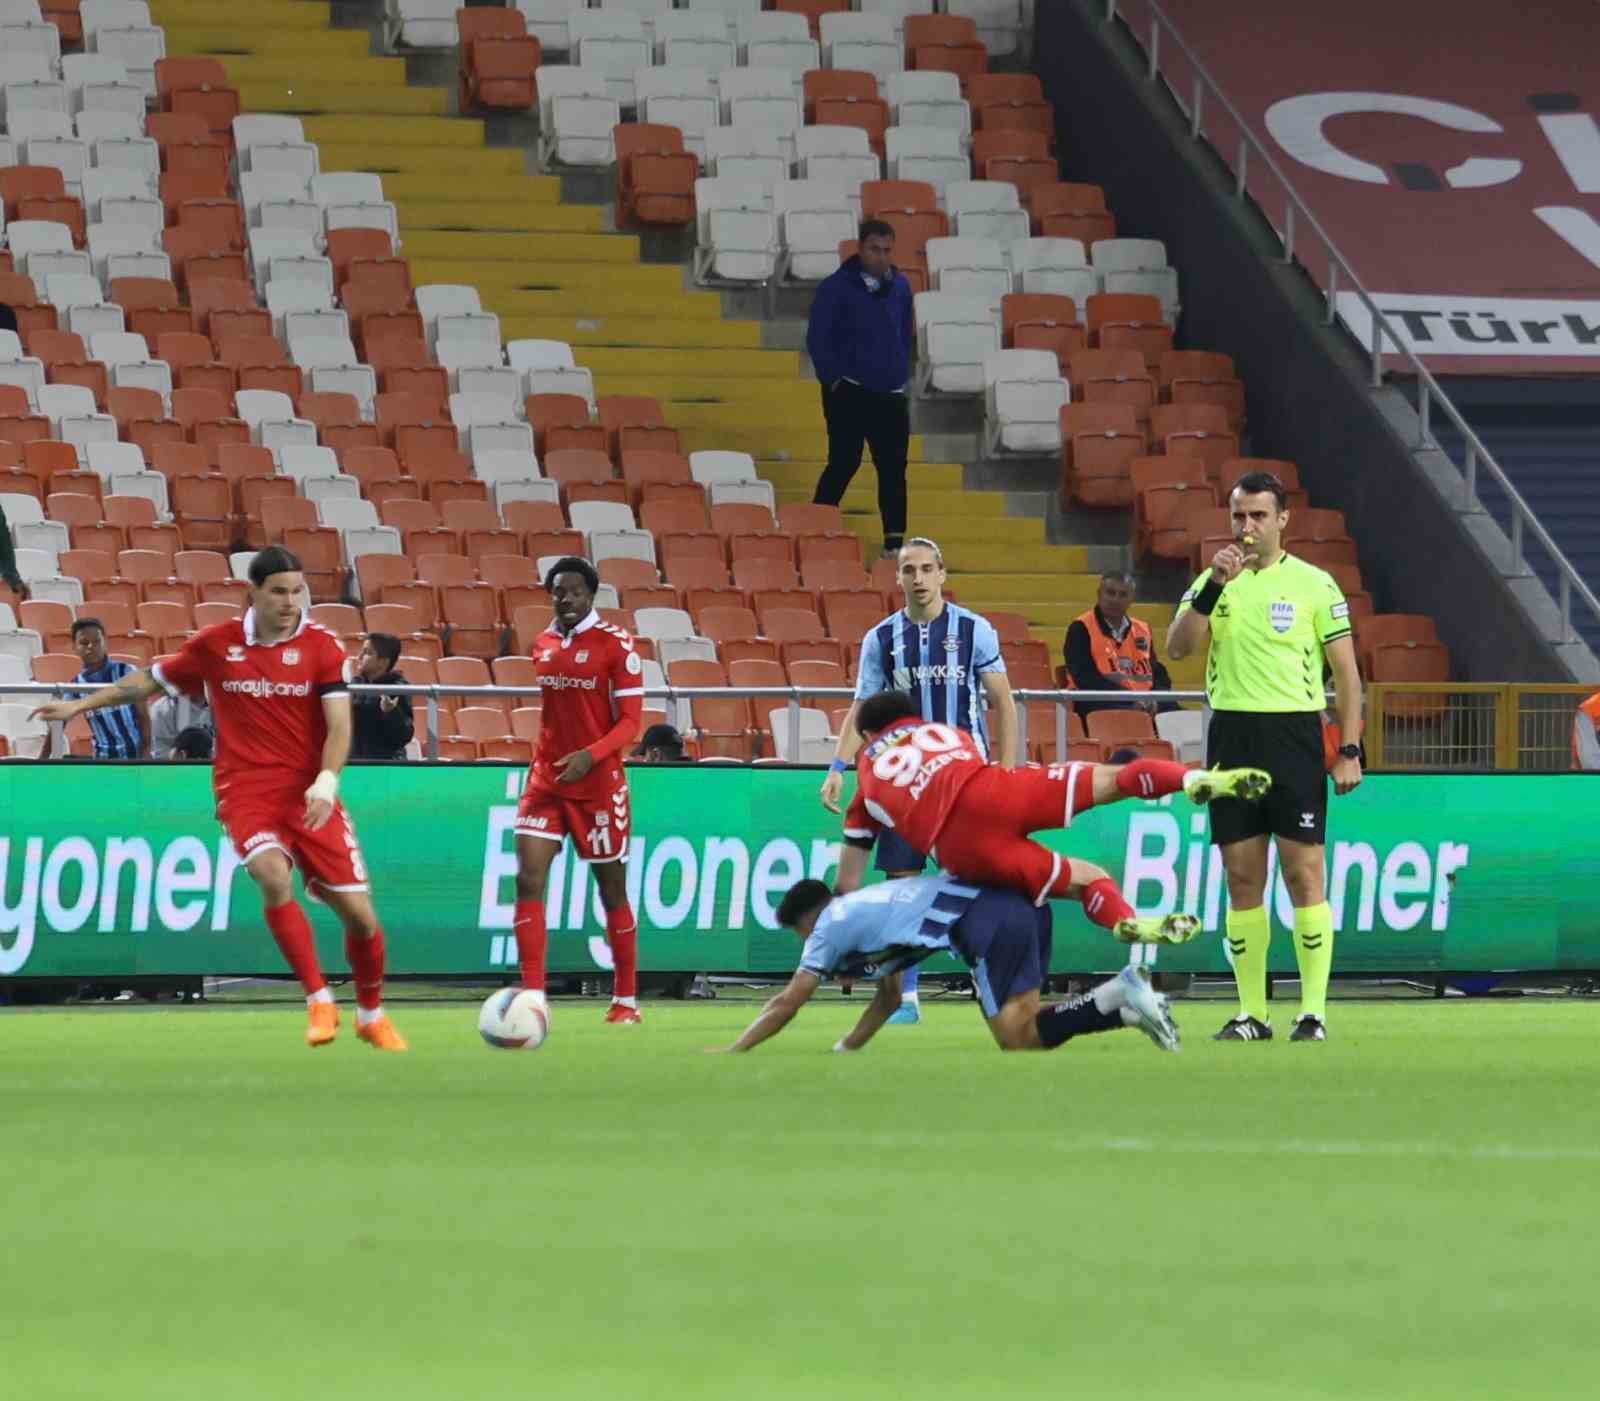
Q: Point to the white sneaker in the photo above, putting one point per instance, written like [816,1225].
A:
[1145,1008]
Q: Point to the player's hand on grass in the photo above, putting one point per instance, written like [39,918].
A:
[56,712]
[574,766]
[832,787]
[1346,774]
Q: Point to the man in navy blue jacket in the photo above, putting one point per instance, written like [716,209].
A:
[859,340]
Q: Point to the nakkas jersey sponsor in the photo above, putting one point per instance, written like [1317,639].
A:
[266,697]
[908,780]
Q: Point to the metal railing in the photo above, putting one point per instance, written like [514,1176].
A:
[1430,398]
[1443,725]
[793,700]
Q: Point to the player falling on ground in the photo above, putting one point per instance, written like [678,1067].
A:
[930,784]
[592,693]
[885,929]
[276,685]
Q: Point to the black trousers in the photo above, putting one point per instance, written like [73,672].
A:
[857,417]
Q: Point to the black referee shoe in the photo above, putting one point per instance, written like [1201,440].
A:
[1309,1028]
[1243,1028]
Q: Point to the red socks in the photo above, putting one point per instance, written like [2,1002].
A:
[1103,902]
[366,966]
[1150,778]
[292,930]
[622,933]
[533,939]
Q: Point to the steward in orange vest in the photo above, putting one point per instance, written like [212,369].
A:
[1115,652]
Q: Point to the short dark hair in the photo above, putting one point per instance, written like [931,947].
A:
[882,710]
[1252,482]
[1126,755]
[387,646]
[802,899]
[83,624]
[193,742]
[661,737]
[273,560]
[571,564]
[874,228]
[1117,576]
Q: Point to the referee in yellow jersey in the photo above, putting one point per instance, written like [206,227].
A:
[1274,621]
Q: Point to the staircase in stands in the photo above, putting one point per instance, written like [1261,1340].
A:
[474,213]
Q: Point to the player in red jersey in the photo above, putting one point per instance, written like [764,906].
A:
[591,682]
[276,685]
[930,784]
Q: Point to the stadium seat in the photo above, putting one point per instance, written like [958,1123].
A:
[655,174]
[1099,440]
[1202,377]
[1128,321]
[1024,396]
[1138,265]
[498,60]
[736,232]
[954,333]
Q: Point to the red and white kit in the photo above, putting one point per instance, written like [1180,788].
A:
[267,702]
[592,693]
[931,784]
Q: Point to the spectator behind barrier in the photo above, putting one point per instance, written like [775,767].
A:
[195,742]
[120,731]
[661,744]
[381,725]
[172,717]
[1107,649]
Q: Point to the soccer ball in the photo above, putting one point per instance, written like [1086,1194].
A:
[514,1019]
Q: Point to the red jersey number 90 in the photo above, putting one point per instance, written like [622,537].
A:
[899,763]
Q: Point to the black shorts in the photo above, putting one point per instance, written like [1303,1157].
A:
[1287,746]
[896,854]
[1006,941]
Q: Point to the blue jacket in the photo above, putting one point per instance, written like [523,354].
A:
[862,335]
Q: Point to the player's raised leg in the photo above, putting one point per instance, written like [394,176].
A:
[270,868]
[622,933]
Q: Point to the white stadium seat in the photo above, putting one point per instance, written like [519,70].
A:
[814,218]
[737,232]
[867,43]
[613,44]
[1137,265]
[695,39]
[751,155]
[1055,265]
[680,97]
[970,267]
[933,154]
[709,465]
[954,333]
[1024,392]
[577,115]
[840,154]
[986,209]
[929,99]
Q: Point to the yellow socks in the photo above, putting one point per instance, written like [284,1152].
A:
[1249,934]
[1313,951]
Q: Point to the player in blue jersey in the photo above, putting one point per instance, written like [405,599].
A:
[885,929]
[948,659]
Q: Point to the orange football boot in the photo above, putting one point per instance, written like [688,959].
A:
[322,1023]
[382,1036]
[621,1015]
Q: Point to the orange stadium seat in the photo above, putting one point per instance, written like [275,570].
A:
[1129,321]
[498,58]
[1202,377]
[655,175]
[721,724]
[945,43]
[1042,321]
[1066,210]
[1112,376]
[1099,441]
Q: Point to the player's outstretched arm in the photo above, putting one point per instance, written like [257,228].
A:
[884,1004]
[133,689]
[780,1011]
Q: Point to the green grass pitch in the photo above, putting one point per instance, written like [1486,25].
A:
[199,1207]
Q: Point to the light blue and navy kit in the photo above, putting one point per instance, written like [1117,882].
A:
[116,728]
[940,663]
[893,926]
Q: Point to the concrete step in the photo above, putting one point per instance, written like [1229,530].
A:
[796,475]
[492,252]
[386,130]
[531,215]
[441,162]
[596,297]
[330,95]
[345,61]
[660,333]
[862,500]
[509,279]
[766,372]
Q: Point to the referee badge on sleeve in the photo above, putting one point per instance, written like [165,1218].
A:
[1281,616]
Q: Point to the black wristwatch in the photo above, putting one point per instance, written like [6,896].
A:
[1349,751]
